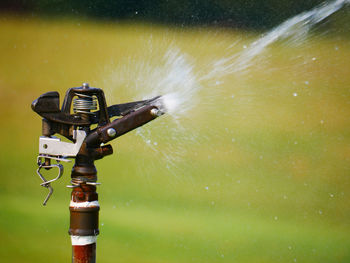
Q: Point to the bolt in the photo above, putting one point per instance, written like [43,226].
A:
[111,132]
[156,113]
[85,85]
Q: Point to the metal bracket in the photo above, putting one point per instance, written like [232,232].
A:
[47,183]
[55,147]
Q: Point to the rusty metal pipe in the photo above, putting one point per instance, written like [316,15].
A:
[84,254]
[84,212]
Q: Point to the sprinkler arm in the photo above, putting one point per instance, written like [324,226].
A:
[94,148]
[123,125]
[135,114]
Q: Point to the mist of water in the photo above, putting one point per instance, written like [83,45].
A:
[177,81]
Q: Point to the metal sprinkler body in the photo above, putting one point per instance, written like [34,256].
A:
[83,107]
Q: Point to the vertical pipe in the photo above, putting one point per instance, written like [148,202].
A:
[84,209]
[84,254]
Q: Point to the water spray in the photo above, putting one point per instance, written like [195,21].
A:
[82,108]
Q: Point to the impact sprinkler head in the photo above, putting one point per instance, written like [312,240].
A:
[83,107]
[85,120]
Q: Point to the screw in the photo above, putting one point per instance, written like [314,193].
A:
[111,132]
[85,85]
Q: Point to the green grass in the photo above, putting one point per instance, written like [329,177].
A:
[278,192]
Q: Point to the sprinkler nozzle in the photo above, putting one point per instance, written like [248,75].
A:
[156,112]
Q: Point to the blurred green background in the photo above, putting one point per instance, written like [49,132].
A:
[257,171]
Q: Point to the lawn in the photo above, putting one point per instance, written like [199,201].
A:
[256,170]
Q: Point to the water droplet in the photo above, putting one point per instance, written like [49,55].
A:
[295,94]
[155,143]
[232,96]
[244,46]
[295,142]
[207,188]
[222,255]
[102,224]
[261,157]
[320,212]
[331,195]
[313,59]
[285,197]
[233,139]
[212,203]
[276,218]
[136,13]
[322,121]
[306,82]
[295,260]
[290,247]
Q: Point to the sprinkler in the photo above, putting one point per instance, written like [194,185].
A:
[86,121]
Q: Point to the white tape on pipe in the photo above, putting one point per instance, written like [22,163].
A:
[84,204]
[83,240]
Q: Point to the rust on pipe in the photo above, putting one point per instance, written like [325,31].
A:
[84,210]
[84,254]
